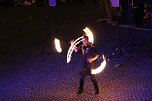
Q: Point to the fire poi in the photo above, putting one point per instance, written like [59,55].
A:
[101,67]
[91,39]
[57,45]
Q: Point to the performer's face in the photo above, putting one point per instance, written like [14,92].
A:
[85,41]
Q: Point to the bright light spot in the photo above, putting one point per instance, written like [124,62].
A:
[57,45]
[100,68]
[89,34]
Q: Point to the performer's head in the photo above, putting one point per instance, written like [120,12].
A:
[85,40]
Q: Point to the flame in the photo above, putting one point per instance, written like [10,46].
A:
[77,41]
[89,34]
[91,39]
[100,68]
[57,45]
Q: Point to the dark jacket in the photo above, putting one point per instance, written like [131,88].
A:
[88,52]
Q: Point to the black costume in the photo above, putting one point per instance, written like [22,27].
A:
[88,52]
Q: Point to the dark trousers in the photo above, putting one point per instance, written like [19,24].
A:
[92,77]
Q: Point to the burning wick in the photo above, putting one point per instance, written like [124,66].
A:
[57,45]
[89,34]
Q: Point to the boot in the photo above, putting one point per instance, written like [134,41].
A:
[95,86]
[80,86]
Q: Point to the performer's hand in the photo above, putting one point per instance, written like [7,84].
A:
[89,60]
[75,48]
[71,42]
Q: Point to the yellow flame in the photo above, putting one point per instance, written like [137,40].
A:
[89,34]
[100,68]
[57,45]
[77,41]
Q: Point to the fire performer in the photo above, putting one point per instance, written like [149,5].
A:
[89,55]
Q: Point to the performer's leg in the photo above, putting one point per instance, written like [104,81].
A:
[95,84]
[81,83]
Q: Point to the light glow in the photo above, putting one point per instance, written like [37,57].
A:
[100,68]
[57,45]
[89,34]
[77,41]
[70,51]
[91,39]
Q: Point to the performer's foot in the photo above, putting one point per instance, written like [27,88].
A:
[80,91]
[96,92]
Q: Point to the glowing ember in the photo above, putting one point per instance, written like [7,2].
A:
[77,41]
[89,34]
[57,45]
[100,68]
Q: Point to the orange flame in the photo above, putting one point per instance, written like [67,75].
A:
[57,45]
[89,34]
[100,68]
[77,41]
[91,39]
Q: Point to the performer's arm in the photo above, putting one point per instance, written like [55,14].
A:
[94,55]
[75,48]
[90,60]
